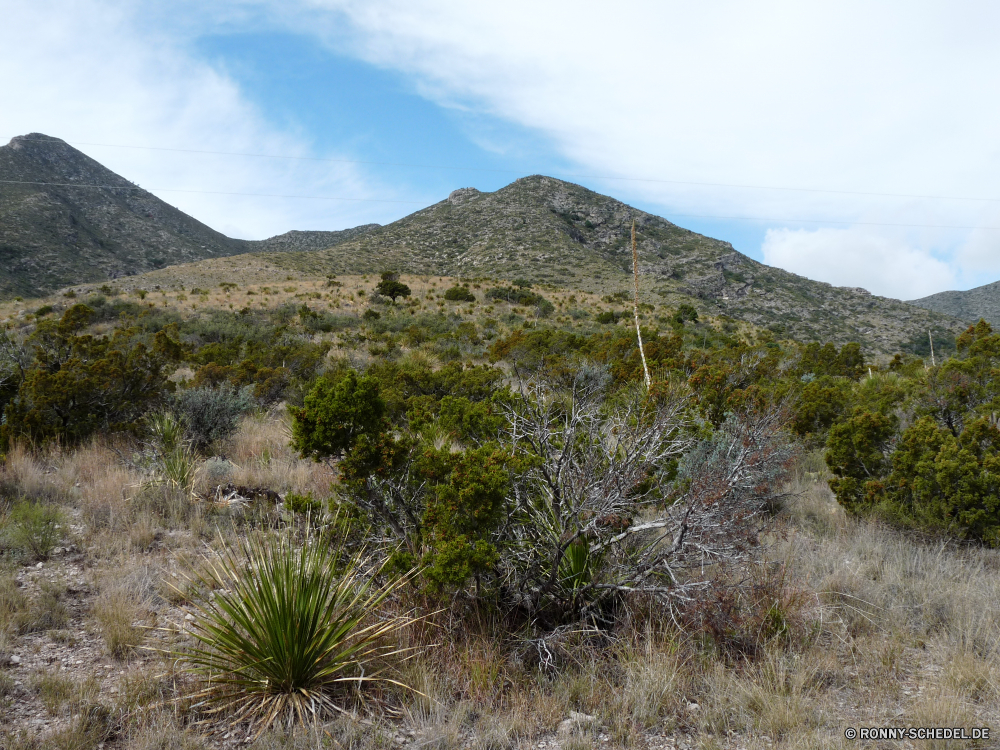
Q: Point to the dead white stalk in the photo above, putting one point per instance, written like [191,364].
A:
[635,306]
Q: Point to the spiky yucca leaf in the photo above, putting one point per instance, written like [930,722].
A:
[288,630]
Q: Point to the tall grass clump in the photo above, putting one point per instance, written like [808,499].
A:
[290,631]
[33,530]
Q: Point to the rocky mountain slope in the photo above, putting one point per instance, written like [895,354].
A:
[54,231]
[545,230]
[981,302]
[296,241]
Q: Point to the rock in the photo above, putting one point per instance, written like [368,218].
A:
[39,566]
[15,659]
[189,617]
[692,707]
[577,722]
[457,197]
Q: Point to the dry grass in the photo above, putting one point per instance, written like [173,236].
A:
[261,457]
[122,607]
[30,475]
[894,630]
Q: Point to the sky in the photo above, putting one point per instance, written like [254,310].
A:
[854,142]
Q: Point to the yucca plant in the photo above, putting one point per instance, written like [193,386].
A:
[177,460]
[288,631]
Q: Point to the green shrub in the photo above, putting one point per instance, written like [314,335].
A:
[608,317]
[33,529]
[286,634]
[469,420]
[391,287]
[337,411]
[462,513]
[211,414]
[304,504]
[937,480]
[76,384]
[459,294]
[522,297]
[326,321]
[685,313]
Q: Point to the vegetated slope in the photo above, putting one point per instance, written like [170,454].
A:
[550,231]
[55,232]
[981,302]
[296,241]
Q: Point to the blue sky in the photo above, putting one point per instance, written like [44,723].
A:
[378,114]
[854,141]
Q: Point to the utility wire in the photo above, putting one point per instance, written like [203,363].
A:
[207,192]
[511,171]
[506,205]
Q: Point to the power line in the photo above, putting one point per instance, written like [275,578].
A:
[511,171]
[507,205]
[208,192]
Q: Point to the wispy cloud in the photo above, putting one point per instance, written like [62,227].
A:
[852,96]
[858,97]
[99,72]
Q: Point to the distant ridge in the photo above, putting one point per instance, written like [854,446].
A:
[538,229]
[53,235]
[981,302]
[549,231]
[297,241]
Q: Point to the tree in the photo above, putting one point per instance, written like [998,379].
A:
[391,287]
[76,383]
[335,414]
[857,453]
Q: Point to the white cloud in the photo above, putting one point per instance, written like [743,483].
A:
[856,257]
[850,96]
[98,72]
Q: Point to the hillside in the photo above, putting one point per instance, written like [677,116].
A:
[981,302]
[549,231]
[296,241]
[53,233]
[544,230]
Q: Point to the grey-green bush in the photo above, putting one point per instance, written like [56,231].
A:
[212,414]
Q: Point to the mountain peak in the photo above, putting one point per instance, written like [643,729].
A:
[57,228]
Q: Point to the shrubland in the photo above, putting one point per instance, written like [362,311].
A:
[464,520]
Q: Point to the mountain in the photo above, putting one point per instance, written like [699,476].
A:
[981,302]
[57,229]
[297,241]
[549,231]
